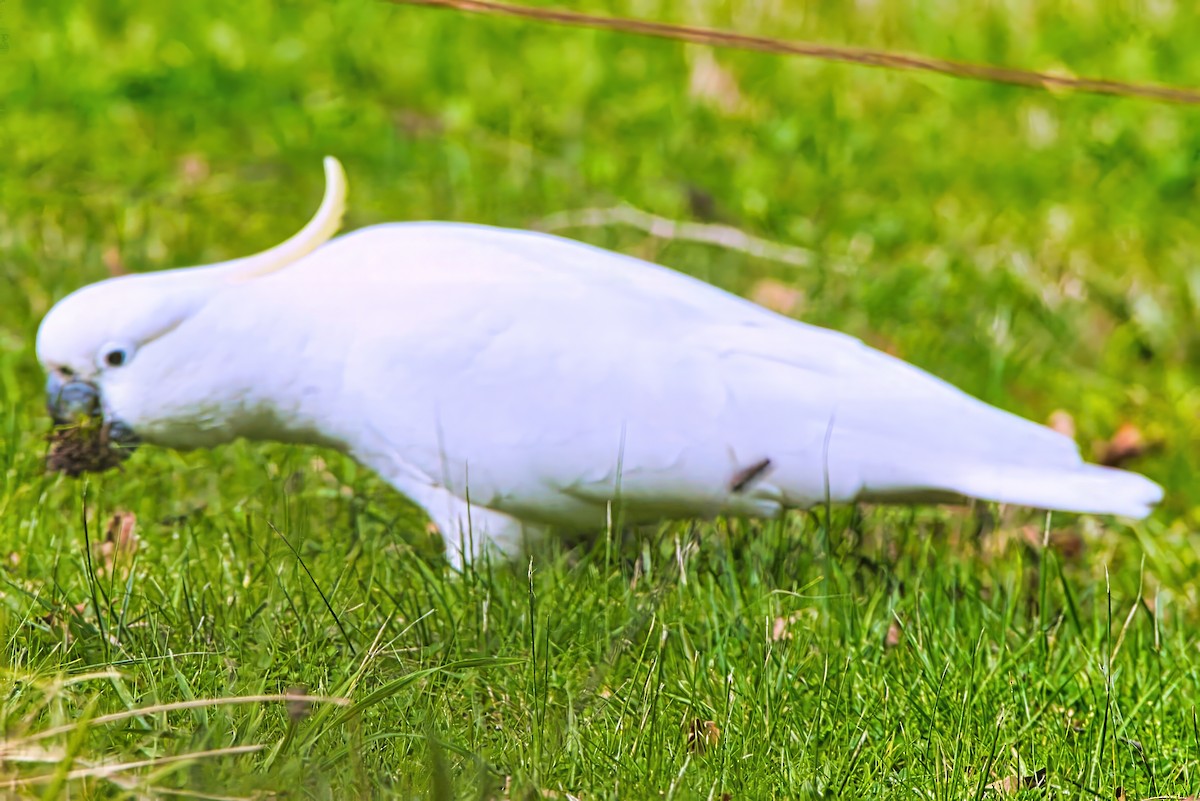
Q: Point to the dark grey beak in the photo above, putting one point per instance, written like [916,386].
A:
[71,402]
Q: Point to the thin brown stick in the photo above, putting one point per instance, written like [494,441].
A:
[725,236]
[37,754]
[850,55]
[107,769]
[198,703]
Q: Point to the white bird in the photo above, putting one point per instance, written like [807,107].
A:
[508,381]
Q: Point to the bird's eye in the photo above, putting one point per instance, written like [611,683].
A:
[114,354]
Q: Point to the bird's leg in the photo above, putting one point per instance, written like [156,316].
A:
[468,530]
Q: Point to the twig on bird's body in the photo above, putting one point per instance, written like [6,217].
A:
[747,476]
[1031,79]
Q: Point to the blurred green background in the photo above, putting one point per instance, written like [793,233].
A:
[1039,250]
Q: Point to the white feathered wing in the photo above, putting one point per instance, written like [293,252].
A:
[543,378]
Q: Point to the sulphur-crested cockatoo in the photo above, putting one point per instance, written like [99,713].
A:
[507,381]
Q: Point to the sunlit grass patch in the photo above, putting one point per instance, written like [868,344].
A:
[1037,250]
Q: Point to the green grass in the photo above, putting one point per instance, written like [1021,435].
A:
[1041,251]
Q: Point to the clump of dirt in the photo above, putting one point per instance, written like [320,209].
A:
[84,448]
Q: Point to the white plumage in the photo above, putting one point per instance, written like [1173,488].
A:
[544,379]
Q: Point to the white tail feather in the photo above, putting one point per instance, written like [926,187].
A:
[964,448]
[1085,488]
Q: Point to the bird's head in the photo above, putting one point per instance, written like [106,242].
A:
[90,340]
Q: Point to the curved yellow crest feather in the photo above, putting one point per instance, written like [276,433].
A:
[323,225]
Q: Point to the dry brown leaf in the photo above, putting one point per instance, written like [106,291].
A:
[113,261]
[781,625]
[193,169]
[122,530]
[1126,444]
[300,707]
[712,83]
[1150,600]
[415,124]
[1032,535]
[120,539]
[294,484]
[60,618]
[884,343]
[1066,542]
[1012,784]
[777,296]
[53,621]
[701,204]
[702,735]
[1063,422]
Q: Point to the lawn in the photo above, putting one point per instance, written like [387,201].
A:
[1040,250]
